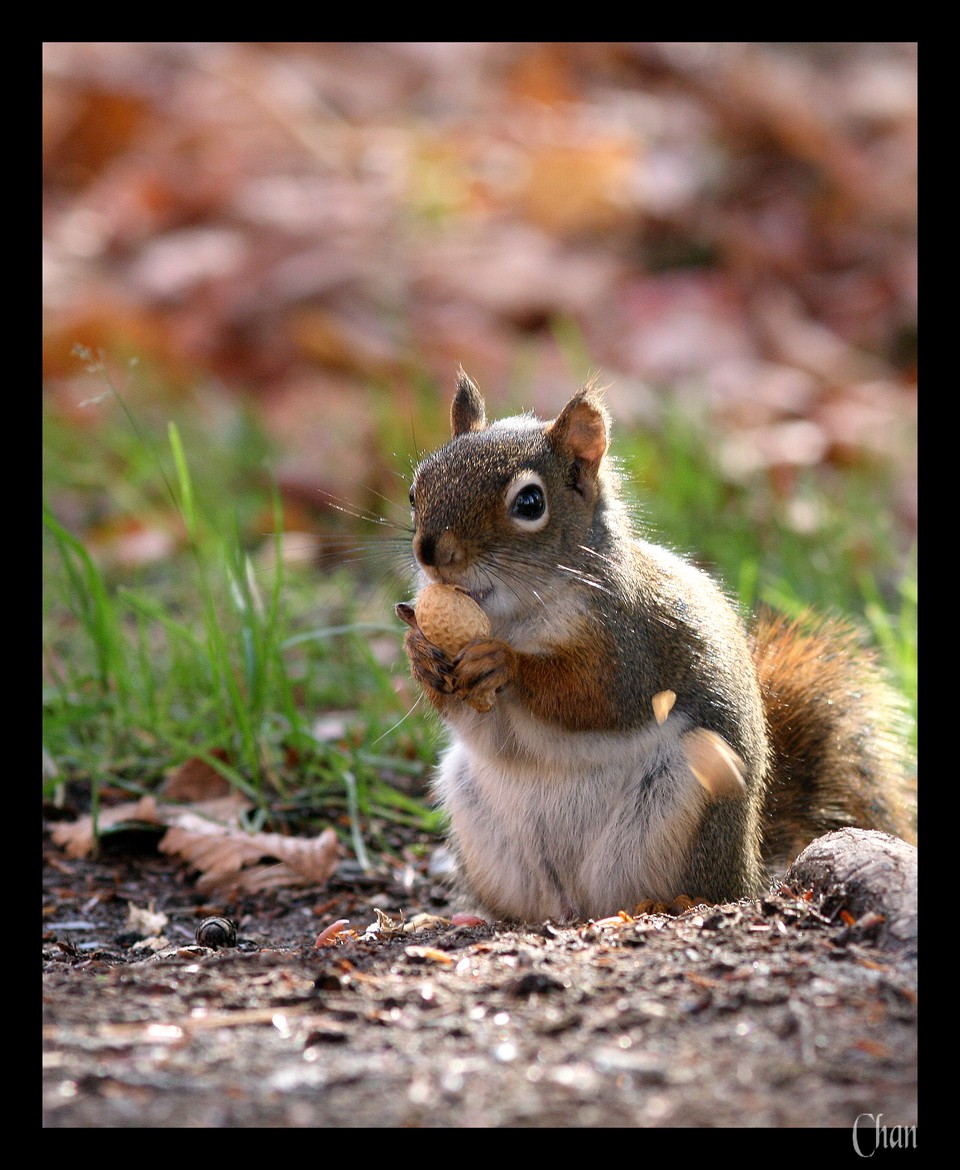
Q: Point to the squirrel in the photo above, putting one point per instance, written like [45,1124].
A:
[621,737]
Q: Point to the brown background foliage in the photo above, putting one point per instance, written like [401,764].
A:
[328,227]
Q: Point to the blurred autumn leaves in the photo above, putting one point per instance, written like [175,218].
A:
[327,226]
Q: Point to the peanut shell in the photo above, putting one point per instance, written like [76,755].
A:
[449,617]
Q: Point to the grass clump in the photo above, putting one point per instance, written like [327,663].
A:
[275,675]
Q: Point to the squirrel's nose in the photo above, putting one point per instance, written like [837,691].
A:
[439,552]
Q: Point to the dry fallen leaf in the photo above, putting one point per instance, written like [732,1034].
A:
[195,779]
[230,858]
[76,839]
[209,835]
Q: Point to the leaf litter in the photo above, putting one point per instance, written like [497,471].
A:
[209,834]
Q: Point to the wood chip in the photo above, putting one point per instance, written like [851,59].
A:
[429,953]
[663,704]
[714,763]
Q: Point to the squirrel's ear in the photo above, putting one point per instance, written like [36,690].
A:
[468,412]
[581,430]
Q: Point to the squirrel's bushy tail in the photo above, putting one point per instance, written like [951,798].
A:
[838,735]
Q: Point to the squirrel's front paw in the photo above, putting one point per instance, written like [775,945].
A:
[430,666]
[481,669]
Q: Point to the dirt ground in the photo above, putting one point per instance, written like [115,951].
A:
[793,1011]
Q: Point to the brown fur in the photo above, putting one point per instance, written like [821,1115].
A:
[837,732]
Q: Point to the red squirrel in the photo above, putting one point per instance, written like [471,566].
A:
[620,736]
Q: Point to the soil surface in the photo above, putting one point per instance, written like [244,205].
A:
[794,1010]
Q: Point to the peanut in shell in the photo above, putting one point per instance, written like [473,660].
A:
[449,617]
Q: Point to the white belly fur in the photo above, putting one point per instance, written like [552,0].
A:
[551,824]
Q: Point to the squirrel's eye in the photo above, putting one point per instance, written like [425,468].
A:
[527,503]
[413,502]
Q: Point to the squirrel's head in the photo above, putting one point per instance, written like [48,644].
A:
[503,506]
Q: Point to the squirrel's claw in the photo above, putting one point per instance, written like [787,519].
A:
[406,613]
